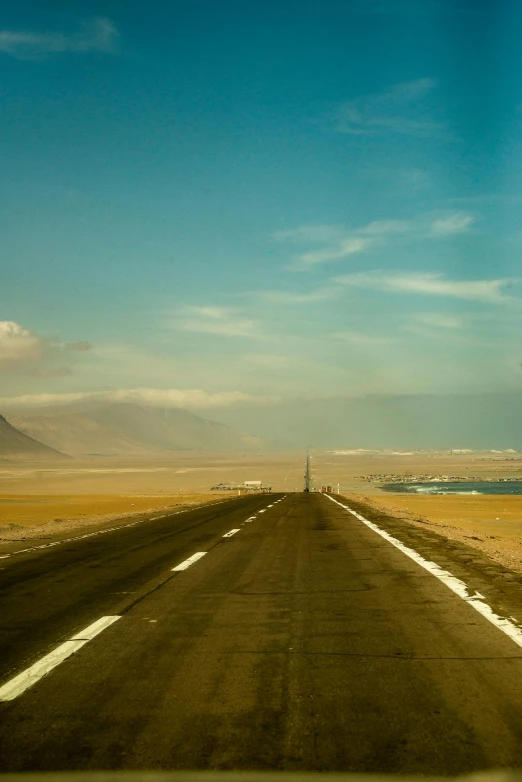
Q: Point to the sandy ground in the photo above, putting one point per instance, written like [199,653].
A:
[46,499]
[93,491]
[169,475]
[30,517]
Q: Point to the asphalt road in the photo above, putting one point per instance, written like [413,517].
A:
[303,641]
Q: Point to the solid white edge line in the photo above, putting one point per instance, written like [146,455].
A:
[16,686]
[232,532]
[452,582]
[188,562]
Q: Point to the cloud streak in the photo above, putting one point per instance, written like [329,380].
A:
[401,110]
[98,34]
[155,397]
[221,321]
[439,320]
[294,297]
[337,252]
[335,243]
[490,291]
[357,338]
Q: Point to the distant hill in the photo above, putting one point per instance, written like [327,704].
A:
[104,428]
[17,445]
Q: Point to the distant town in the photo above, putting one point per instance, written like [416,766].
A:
[243,487]
[428,478]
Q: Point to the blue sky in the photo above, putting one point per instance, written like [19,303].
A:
[255,201]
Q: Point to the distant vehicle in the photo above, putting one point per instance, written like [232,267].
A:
[326,489]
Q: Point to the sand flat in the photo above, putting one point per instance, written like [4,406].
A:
[184,473]
[31,510]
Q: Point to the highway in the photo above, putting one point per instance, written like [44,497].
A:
[269,632]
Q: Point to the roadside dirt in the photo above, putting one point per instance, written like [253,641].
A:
[492,524]
[21,527]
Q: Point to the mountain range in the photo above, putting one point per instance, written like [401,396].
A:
[17,445]
[104,429]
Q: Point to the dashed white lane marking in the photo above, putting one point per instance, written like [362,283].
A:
[16,686]
[104,531]
[190,561]
[457,586]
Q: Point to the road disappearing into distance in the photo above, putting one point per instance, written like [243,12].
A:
[269,632]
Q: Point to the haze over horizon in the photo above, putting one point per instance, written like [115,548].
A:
[229,207]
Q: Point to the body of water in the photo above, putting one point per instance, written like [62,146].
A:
[456,487]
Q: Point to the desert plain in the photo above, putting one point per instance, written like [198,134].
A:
[47,498]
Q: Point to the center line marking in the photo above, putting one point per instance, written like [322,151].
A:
[16,686]
[457,586]
[229,534]
[188,562]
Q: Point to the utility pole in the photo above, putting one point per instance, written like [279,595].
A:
[307,477]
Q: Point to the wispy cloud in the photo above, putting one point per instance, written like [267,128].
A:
[334,242]
[359,338]
[98,34]
[350,246]
[438,320]
[155,397]
[491,291]
[221,321]
[401,109]
[456,223]
[294,297]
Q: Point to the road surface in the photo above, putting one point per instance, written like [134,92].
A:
[298,639]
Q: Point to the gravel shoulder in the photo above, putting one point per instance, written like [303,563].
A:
[491,524]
